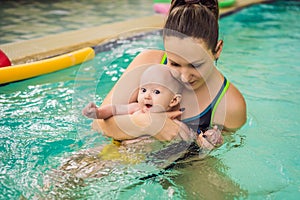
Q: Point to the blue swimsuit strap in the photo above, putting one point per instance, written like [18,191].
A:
[164,59]
[214,104]
[218,98]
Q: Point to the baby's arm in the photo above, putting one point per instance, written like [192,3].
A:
[109,110]
[94,112]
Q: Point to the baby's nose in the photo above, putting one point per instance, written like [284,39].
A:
[147,95]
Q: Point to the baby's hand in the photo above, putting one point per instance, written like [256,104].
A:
[210,139]
[90,110]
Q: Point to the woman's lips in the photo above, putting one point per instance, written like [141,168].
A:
[190,83]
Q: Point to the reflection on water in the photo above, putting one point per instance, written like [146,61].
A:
[94,165]
[27,19]
[206,179]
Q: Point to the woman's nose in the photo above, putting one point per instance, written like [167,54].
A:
[184,75]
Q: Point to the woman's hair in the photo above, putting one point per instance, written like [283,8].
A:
[194,18]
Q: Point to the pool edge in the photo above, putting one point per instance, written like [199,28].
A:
[52,45]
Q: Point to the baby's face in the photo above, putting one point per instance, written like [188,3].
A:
[155,97]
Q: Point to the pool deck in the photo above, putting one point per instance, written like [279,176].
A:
[52,45]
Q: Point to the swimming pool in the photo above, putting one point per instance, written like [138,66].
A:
[52,17]
[41,122]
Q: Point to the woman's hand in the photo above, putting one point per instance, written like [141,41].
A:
[185,133]
[210,139]
[174,114]
[169,131]
[173,128]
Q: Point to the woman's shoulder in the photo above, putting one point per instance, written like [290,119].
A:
[236,113]
[151,55]
[146,57]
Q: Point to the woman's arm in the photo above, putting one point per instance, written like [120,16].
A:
[230,115]
[158,125]
[231,112]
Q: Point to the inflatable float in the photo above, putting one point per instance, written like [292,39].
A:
[226,3]
[28,70]
[4,60]
[163,6]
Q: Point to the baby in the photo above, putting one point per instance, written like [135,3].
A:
[159,91]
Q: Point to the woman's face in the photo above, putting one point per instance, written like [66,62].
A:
[191,59]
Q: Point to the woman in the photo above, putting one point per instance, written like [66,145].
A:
[191,47]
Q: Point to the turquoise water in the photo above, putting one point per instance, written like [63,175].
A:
[41,121]
[261,57]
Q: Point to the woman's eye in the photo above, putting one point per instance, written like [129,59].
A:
[174,64]
[196,65]
[156,92]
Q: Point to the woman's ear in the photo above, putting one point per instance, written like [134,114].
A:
[218,49]
[176,100]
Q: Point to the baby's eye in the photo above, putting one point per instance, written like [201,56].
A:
[143,90]
[156,92]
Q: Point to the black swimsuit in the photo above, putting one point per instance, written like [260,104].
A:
[204,120]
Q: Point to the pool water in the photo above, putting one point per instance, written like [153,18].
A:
[52,17]
[42,124]
[261,58]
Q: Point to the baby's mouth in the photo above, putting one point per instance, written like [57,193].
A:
[148,105]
